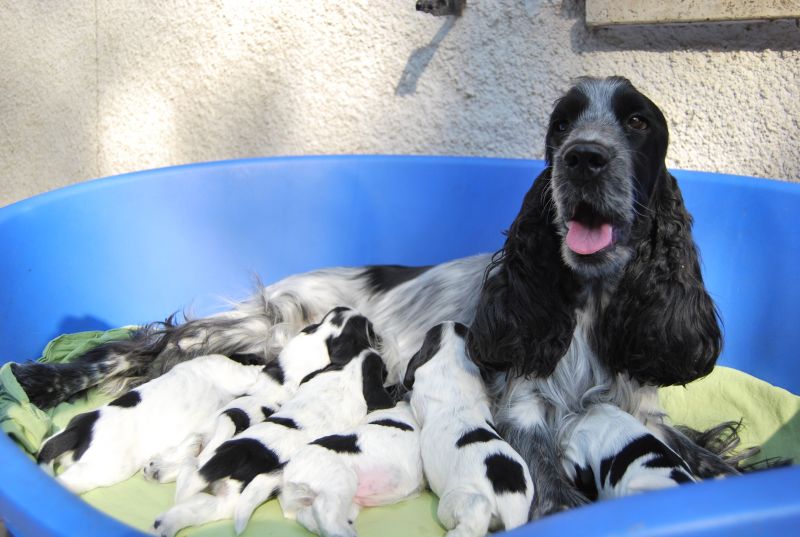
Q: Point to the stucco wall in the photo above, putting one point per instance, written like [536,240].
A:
[101,87]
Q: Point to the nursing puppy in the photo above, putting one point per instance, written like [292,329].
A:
[482,483]
[377,463]
[246,470]
[630,459]
[308,351]
[110,444]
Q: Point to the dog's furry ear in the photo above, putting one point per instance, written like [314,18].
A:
[661,327]
[526,313]
[373,375]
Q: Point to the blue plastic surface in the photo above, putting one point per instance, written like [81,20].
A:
[134,248]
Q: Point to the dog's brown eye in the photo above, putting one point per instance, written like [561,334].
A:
[561,126]
[637,123]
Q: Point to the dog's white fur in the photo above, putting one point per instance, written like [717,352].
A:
[332,401]
[450,400]
[324,489]
[634,460]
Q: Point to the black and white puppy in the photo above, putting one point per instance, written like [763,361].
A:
[630,458]
[305,353]
[482,483]
[110,444]
[247,470]
[377,463]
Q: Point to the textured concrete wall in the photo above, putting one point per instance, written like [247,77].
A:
[103,87]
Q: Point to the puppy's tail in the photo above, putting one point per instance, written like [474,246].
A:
[260,489]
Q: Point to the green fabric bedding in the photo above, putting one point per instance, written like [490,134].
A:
[770,417]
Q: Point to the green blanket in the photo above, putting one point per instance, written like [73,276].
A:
[770,417]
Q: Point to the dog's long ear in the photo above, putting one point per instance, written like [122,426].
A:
[526,313]
[661,326]
[373,376]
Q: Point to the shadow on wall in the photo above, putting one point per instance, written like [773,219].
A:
[420,59]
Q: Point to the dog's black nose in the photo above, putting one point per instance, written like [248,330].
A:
[589,157]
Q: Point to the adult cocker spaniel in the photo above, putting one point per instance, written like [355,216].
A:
[596,298]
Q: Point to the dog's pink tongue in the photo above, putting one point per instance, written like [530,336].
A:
[587,240]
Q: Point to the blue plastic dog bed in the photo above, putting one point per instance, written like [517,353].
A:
[133,248]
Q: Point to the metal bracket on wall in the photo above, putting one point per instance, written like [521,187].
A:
[440,8]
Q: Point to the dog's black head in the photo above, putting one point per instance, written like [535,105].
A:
[606,145]
[604,221]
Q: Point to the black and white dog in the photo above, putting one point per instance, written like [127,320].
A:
[595,298]
[247,470]
[482,483]
[377,463]
[308,351]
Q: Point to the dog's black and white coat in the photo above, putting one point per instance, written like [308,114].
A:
[595,298]
[378,463]
[482,483]
[308,351]
[247,470]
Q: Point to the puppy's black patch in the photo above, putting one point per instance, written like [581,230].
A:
[356,336]
[461,330]
[267,411]
[239,417]
[128,400]
[476,436]
[666,458]
[430,346]
[247,358]
[616,465]
[275,372]
[310,329]
[505,474]
[584,482]
[326,369]
[289,423]
[393,423]
[241,459]
[76,437]
[336,316]
[340,443]
[373,375]
[679,476]
[382,278]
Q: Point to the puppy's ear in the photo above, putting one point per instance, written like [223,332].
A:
[661,326]
[430,346]
[373,375]
[526,312]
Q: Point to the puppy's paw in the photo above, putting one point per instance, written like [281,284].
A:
[161,470]
[165,525]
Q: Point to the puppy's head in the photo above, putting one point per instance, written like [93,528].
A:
[606,144]
[435,339]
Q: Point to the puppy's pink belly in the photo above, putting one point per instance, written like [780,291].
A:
[376,488]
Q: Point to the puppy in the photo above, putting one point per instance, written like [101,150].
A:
[482,483]
[308,351]
[108,445]
[610,454]
[246,470]
[377,463]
